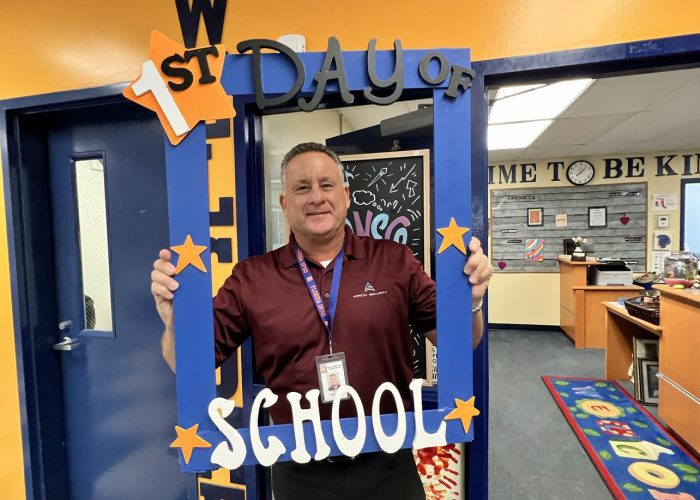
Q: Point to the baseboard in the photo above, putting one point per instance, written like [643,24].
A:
[539,328]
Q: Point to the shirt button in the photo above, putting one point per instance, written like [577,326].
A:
[327,295]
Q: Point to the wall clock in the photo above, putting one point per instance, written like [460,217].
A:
[580,172]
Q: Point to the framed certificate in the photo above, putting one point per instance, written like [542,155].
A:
[597,216]
[535,217]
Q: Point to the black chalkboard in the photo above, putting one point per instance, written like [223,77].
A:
[389,198]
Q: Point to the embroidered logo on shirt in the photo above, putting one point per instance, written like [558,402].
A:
[369,291]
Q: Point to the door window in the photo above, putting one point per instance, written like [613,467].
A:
[93,243]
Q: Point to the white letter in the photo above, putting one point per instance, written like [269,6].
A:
[422,439]
[299,454]
[233,457]
[390,444]
[150,81]
[266,456]
[349,447]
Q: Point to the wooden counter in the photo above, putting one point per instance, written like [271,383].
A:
[621,329]
[581,313]
[679,362]
[679,356]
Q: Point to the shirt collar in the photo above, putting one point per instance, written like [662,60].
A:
[352,245]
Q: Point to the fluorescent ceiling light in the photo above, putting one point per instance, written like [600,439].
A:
[535,102]
[521,113]
[515,135]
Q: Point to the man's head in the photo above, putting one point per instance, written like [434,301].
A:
[315,197]
[333,381]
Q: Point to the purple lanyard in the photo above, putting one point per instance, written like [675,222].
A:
[326,316]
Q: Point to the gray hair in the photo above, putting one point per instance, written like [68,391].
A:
[311,147]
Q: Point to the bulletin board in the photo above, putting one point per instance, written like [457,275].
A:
[529,225]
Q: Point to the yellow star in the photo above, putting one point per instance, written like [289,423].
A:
[189,253]
[465,411]
[453,235]
[187,440]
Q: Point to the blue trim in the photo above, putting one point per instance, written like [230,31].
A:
[477,450]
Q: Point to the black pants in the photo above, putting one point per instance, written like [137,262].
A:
[369,476]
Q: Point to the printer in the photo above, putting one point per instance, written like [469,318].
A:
[610,272]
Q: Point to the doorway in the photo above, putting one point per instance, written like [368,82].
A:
[90,214]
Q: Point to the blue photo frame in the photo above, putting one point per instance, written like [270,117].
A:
[188,200]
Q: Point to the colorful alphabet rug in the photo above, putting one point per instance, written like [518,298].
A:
[635,455]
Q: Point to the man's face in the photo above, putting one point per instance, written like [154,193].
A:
[315,201]
[333,380]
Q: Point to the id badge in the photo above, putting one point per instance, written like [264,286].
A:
[332,373]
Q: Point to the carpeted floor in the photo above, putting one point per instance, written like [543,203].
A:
[533,454]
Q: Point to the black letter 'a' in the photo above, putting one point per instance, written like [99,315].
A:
[334,57]
[255,46]
[396,77]
[189,19]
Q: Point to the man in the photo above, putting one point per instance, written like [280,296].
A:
[302,314]
[333,383]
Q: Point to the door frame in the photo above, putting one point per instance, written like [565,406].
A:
[35,320]
[660,54]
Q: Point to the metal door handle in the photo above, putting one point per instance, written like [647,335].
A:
[66,344]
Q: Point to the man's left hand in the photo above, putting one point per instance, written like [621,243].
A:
[479,270]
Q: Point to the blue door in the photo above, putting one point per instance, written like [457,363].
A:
[109,217]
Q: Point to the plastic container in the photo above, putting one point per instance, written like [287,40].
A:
[681,265]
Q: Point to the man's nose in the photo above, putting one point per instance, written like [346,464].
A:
[316,195]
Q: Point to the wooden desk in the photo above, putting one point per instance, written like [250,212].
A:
[590,313]
[679,362]
[621,330]
[581,314]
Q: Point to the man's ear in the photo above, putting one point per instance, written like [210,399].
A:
[283,203]
[347,195]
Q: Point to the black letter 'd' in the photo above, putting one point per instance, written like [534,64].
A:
[255,46]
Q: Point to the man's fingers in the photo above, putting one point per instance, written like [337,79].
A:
[165,255]
[159,290]
[164,267]
[474,244]
[473,261]
[164,279]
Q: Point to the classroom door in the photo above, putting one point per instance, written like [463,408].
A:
[109,215]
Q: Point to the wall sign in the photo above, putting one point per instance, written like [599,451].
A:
[174,83]
[581,171]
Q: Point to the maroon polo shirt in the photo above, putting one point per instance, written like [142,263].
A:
[383,291]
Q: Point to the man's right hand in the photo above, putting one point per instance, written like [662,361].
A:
[163,285]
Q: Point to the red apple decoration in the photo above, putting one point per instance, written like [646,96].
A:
[501,265]
[624,219]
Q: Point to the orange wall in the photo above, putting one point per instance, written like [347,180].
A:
[53,45]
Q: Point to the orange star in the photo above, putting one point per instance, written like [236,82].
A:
[189,253]
[453,235]
[465,411]
[197,102]
[187,440]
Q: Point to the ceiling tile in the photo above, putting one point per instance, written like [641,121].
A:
[596,149]
[578,130]
[627,94]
